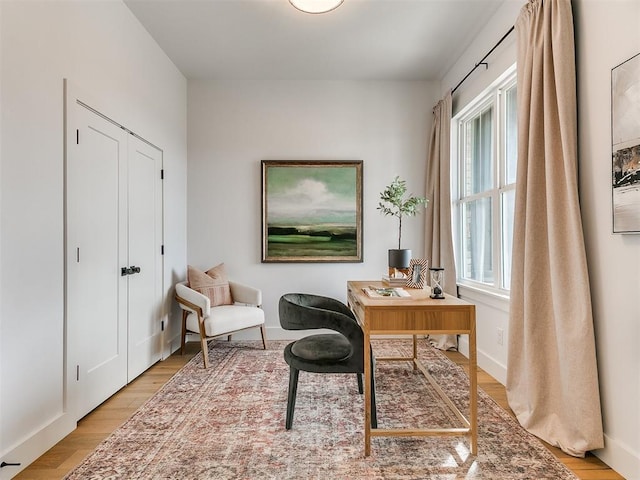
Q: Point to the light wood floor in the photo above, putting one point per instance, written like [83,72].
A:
[97,425]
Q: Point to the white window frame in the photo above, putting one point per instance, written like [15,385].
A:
[494,97]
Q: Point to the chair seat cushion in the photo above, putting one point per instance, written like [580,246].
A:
[322,348]
[227,318]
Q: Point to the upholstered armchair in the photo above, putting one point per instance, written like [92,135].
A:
[339,352]
[198,316]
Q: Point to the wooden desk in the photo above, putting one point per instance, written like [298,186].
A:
[419,314]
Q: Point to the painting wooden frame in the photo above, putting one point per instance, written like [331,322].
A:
[311,211]
[625,146]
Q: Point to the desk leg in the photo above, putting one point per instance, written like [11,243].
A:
[367,393]
[473,386]
[415,351]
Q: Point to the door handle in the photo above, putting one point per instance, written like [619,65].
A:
[124,271]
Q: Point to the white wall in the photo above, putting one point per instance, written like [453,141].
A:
[607,33]
[101,48]
[232,126]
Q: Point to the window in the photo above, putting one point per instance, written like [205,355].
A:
[484,148]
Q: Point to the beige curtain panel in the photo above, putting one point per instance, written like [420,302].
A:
[438,237]
[552,378]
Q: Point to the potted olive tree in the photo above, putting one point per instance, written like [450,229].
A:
[393,202]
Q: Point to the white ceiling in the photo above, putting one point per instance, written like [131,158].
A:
[269,39]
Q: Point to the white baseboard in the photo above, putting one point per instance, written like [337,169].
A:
[171,345]
[273,333]
[277,333]
[485,362]
[620,457]
[31,448]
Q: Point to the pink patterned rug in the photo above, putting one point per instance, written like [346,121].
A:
[227,422]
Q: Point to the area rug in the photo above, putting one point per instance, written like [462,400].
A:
[227,422]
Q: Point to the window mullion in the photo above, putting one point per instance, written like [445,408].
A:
[497,203]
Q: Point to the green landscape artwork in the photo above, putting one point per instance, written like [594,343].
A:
[311,211]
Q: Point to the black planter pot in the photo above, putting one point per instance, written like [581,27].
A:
[399,258]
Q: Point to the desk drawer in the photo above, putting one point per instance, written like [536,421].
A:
[445,321]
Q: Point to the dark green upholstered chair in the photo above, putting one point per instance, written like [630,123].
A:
[341,352]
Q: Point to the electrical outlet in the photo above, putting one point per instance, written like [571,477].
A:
[500,336]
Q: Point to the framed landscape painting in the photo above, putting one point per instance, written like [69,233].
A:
[311,211]
[625,139]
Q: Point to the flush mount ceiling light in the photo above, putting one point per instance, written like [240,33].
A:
[316,6]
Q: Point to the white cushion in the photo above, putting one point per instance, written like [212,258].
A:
[227,318]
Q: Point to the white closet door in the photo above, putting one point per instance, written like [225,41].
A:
[114,222]
[144,252]
[96,248]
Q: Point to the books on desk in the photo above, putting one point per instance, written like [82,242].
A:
[394,282]
[391,292]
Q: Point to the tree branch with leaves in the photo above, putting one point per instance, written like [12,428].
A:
[393,203]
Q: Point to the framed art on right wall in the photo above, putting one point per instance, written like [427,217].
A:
[625,141]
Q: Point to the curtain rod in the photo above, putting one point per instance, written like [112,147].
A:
[482,62]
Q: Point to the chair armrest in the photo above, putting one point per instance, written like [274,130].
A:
[190,300]
[245,294]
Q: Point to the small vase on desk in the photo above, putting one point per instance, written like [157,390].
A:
[399,260]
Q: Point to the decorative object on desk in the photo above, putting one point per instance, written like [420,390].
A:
[399,259]
[437,282]
[417,273]
[391,281]
[396,292]
[393,202]
[311,211]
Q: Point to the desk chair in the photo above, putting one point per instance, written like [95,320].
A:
[341,352]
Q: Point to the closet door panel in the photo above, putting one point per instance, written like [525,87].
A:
[96,243]
[144,252]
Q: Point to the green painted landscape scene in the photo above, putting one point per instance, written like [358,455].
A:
[312,212]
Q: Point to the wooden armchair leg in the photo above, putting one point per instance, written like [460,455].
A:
[203,342]
[263,333]
[205,352]
[184,331]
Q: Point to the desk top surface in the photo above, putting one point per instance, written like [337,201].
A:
[418,297]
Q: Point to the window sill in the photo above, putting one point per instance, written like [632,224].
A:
[495,299]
